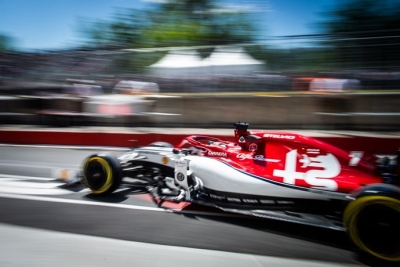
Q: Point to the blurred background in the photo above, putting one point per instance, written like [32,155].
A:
[304,64]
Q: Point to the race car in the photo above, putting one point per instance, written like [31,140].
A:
[273,175]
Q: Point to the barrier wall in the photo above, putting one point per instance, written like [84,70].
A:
[376,144]
[355,111]
[324,111]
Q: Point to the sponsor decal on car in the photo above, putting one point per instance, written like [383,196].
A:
[267,201]
[355,157]
[249,200]
[256,157]
[280,136]
[261,158]
[217,154]
[285,202]
[181,172]
[325,167]
[217,197]
[244,156]
[164,160]
[234,199]
[242,140]
[180,176]
[313,151]
[253,147]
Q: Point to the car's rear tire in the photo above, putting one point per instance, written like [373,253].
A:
[373,224]
[102,173]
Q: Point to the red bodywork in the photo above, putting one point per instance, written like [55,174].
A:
[291,159]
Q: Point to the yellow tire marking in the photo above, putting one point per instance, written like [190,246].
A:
[351,215]
[108,171]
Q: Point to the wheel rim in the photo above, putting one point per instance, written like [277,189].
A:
[378,229]
[97,175]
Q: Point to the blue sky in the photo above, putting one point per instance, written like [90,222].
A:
[53,24]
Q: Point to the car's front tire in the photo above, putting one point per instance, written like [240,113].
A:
[102,173]
[373,224]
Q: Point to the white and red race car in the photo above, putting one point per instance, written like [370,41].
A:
[279,175]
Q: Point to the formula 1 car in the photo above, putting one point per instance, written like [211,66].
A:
[272,175]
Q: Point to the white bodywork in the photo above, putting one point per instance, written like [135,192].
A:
[218,176]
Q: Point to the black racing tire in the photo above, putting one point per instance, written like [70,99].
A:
[102,173]
[373,224]
[161,144]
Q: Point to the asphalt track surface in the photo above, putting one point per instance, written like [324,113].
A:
[44,222]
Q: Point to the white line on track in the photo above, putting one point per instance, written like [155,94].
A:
[22,177]
[26,184]
[33,191]
[38,165]
[18,186]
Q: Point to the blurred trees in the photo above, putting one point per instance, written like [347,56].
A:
[355,34]
[5,43]
[174,23]
[365,33]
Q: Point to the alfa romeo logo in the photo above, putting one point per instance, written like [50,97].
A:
[180,176]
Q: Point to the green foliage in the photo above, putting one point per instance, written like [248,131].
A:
[365,33]
[5,43]
[171,24]
[356,34]
[294,59]
[175,23]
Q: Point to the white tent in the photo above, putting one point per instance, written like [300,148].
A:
[185,62]
[224,60]
[232,60]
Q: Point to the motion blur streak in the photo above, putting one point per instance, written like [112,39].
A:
[123,252]
[171,64]
[79,202]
